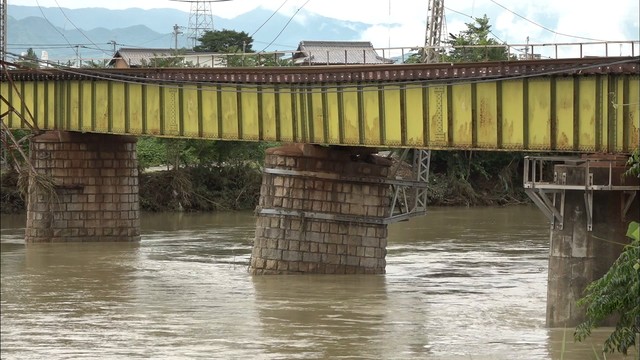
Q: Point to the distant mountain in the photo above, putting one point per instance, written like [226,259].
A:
[158,20]
[152,28]
[62,45]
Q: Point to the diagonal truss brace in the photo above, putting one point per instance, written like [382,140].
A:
[403,205]
[8,140]
[549,206]
[549,196]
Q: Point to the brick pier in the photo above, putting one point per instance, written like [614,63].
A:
[321,210]
[95,195]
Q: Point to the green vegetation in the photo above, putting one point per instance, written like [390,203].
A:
[618,291]
[225,41]
[30,60]
[204,175]
[476,178]
[471,45]
[230,42]
[476,34]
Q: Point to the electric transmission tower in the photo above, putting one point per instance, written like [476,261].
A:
[433,34]
[3,29]
[200,19]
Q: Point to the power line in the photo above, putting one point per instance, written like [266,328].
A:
[53,26]
[285,25]
[544,27]
[276,44]
[77,28]
[490,32]
[272,15]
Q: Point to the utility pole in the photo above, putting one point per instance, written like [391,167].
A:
[4,9]
[200,18]
[433,33]
[78,58]
[113,43]
[176,32]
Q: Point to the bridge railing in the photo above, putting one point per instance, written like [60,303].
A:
[399,55]
[546,180]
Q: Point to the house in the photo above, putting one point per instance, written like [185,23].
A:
[141,57]
[337,53]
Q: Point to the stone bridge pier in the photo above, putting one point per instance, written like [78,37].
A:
[321,210]
[589,204]
[86,188]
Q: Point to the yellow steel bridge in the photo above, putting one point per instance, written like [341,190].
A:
[580,105]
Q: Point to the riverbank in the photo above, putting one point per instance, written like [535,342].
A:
[229,188]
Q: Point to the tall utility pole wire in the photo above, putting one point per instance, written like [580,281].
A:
[200,18]
[3,29]
[433,33]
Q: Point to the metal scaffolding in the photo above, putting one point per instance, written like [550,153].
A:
[549,194]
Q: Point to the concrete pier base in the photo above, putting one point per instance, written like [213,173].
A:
[579,256]
[86,190]
[321,210]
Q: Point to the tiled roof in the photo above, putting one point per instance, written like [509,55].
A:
[136,57]
[338,52]
[139,56]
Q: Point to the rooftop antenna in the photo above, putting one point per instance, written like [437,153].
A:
[433,33]
[200,19]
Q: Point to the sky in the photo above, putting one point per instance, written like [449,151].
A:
[402,22]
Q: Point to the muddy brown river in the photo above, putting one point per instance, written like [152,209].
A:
[460,284]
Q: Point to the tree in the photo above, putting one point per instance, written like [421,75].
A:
[30,60]
[477,36]
[225,41]
[228,42]
[618,291]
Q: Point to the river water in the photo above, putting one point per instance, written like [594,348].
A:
[461,284]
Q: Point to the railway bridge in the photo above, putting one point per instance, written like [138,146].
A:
[326,198]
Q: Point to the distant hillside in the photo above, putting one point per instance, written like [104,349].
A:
[152,28]
[61,44]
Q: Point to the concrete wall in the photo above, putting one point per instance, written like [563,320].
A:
[95,195]
[577,256]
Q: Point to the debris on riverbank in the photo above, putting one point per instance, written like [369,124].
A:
[227,188]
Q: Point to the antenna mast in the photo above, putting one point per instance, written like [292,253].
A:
[433,33]
[200,19]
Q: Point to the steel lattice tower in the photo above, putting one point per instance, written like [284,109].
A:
[433,33]
[200,19]
[3,29]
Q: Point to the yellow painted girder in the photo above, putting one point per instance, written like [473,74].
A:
[594,113]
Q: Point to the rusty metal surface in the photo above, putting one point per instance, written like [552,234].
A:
[346,74]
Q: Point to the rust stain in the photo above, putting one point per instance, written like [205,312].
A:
[464,131]
[507,130]
[563,141]
[485,116]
